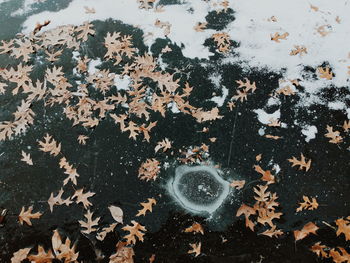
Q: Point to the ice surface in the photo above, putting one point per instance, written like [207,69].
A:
[199,189]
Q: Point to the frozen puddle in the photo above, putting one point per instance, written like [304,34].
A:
[199,189]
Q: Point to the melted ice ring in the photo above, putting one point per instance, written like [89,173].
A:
[199,189]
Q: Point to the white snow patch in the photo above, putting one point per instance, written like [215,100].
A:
[310,132]
[219,100]
[180,17]
[93,64]
[122,82]
[265,118]
[215,78]
[253,28]
[337,105]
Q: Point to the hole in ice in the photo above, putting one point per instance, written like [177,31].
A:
[199,189]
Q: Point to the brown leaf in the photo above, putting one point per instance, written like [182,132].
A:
[307,204]
[343,227]
[89,224]
[83,197]
[20,255]
[196,249]
[147,206]
[309,228]
[50,145]
[41,256]
[266,175]
[135,231]
[277,37]
[301,163]
[195,228]
[272,232]
[237,184]
[27,215]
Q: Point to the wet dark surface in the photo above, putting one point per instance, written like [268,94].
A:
[108,165]
[200,187]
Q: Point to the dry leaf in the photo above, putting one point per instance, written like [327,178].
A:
[196,249]
[117,213]
[309,228]
[149,170]
[50,145]
[237,184]
[57,200]
[89,224]
[307,204]
[20,255]
[266,175]
[277,37]
[333,135]
[82,139]
[200,26]
[247,211]
[83,197]
[41,256]
[275,137]
[26,158]
[343,227]
[26,215]
[124,254]
[102,235]
[195,228]
[147,207]
[165,145]
[325,73]
[136,230]
[272,232]
[301,163]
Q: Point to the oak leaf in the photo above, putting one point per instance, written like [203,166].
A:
[196,249]
[272,232]
[149,169]
[165,144]
[135,231]
[343,227]
[325,73]
[247,211]
[83,197]
[42,256]
[50,145]
[200,26]
[57,200]
[102,234]
[277,37]
[27,215]
[301,163]
[63,250]
[237,184]
[195,228]
[89,224]
[124,254]
[319,250]
[26,158]
[307,204]
[333,135]
[266,175]
[147,207]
